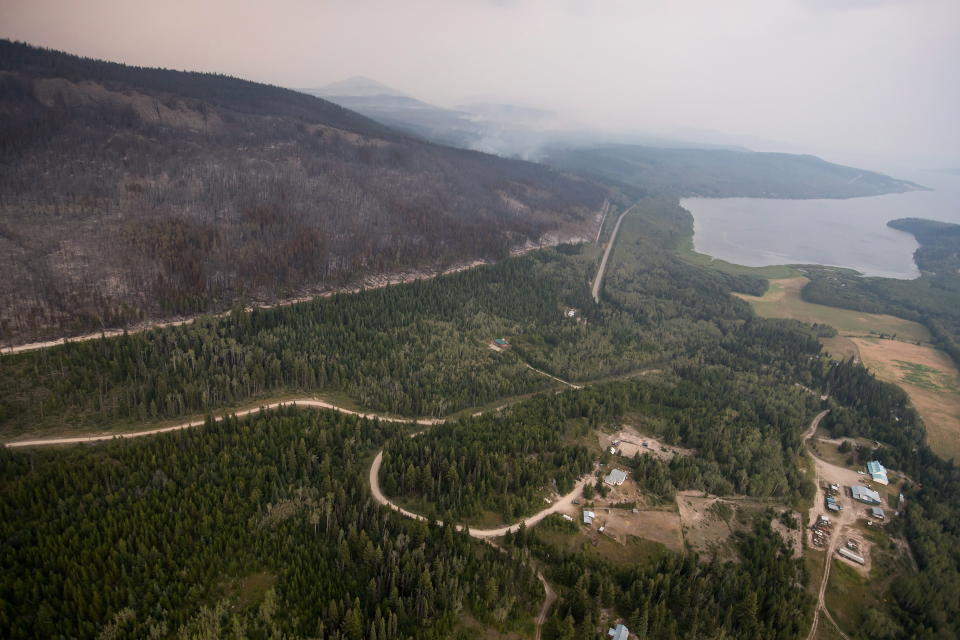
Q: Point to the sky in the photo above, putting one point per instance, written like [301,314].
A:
[855,78]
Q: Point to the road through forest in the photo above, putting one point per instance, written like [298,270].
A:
[562,503]
[606,255]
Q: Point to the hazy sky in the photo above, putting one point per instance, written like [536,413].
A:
[879,76]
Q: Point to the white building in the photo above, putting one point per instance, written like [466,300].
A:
[615,478]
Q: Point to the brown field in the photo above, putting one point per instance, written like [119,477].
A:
[930,379]
[657,526]
[928,376]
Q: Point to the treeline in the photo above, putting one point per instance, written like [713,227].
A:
[129,193]
[924,604]
[678,596]
[249,528]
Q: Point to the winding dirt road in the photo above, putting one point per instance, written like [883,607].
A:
[560,504]
[304,402]
[606,255]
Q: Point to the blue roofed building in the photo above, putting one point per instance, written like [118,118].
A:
[619,632]
[864,495]
[877,472]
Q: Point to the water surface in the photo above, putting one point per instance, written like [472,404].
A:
[848,233]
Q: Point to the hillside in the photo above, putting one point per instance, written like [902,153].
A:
[721,173]
[131,193]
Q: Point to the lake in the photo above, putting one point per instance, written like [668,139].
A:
[848,233]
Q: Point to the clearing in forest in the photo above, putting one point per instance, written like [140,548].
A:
[709,521]
[782,300]
[927,375]
[930,379]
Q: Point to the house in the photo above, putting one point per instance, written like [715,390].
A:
[877,513]
[877,472]
[619,632]
[588,517]
[864,495]
[615,478]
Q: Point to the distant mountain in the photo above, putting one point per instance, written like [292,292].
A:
[357,86]
[509,113]
[719,173]
[399,111]
[132,193]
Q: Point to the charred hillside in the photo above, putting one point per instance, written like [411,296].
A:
[130,193]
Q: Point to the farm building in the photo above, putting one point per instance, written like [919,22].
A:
[877,472]
[877,513]
[864,495]
[588,517]
[615,478]
[619,632]
[850,555]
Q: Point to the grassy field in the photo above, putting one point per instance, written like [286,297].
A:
[783,300]
[772,272]
[930,379]
[927,375]
[847,596]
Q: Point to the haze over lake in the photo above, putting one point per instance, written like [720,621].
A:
[844,233]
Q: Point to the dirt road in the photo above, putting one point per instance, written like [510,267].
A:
[304,402]
[841,521]
[544,373]
[549,598]
[606,255]
[560,504]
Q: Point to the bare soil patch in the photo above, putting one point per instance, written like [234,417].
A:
[630,442]
[655,525]
[708,522]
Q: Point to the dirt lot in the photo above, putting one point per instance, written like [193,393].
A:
[658,525]
[929,378]
[707,522]
[630,441]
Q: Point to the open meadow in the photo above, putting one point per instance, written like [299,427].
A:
[896,350]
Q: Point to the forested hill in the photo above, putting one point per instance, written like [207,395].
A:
[723,173]
[129,193]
